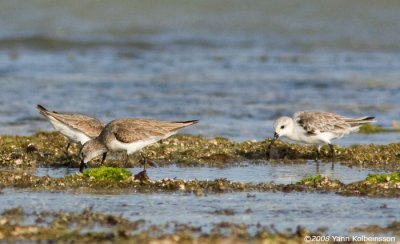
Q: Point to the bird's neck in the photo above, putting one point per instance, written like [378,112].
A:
[294,135]
[100,147]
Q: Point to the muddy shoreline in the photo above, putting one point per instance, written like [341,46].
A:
[48,150]
[21,155]
[89,226]
[373,186]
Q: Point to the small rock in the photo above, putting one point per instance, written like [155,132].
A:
[18,161]
[31,148]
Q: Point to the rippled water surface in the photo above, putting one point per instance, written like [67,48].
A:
[282,210]
[278,173]
[234,67]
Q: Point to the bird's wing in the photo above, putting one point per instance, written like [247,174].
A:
[318,122]
[131,130]
[86,124]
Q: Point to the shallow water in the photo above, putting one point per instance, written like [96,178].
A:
[210,62]
[235,67]
[278,173]
[311,210]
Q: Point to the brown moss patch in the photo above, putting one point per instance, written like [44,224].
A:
[79,183]
[48,149]
[89,227]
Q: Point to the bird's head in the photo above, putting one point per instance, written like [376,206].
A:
[90,150]
[283,126]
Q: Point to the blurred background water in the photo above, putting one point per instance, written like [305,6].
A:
[235,65]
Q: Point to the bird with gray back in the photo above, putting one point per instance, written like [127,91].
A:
[130,135]
[317,128]
[78,128]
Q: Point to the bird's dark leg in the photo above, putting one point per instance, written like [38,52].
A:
[126,159]
[142,175]
[318,153]
[144,161]
[332,151]
[332,155]
[104,158]
[317,158]
[66,150]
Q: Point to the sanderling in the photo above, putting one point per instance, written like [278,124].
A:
[317,128]
[77,128]
[129,135]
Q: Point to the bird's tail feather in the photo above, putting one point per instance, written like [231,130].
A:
[182,124]
[42,110]
[360,121]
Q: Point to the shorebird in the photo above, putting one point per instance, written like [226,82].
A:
[317,128]
[78,128]
[130,135]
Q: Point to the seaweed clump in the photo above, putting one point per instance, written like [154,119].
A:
[48,149]
[372,129]
[384,178]
[80,184]
[107,173]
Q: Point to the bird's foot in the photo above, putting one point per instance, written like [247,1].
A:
[142,176]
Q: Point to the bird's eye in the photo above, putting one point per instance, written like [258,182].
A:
[282,127]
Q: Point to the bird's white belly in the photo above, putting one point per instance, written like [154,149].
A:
[130,148]
[72,134]
[320,138]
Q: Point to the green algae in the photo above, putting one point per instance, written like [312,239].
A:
[373,129]
[107,173]
[82,184]
[384,178]
[311,180]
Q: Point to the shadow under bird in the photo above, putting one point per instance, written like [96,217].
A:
[78,128]
[317,128]
[130,135]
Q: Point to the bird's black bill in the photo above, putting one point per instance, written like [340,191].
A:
[276,136]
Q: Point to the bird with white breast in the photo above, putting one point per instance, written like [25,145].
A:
[317,128]
[130,135]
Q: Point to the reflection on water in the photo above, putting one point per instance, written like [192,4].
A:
[278,173]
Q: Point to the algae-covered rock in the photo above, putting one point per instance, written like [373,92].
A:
[48,149]
[371,129]
[384,178]
[311,180]
[84,184]
[96,227]
[391,230]
[107,173]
